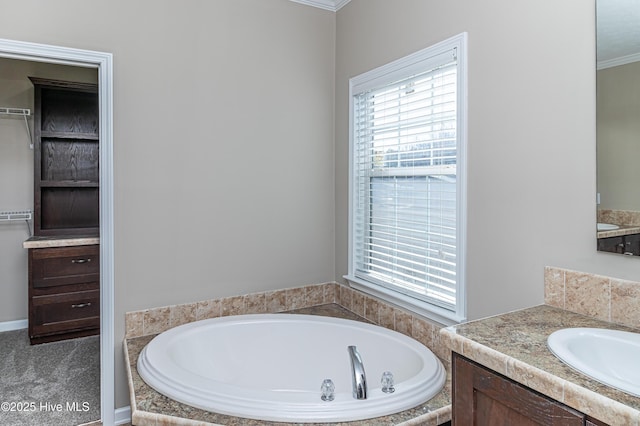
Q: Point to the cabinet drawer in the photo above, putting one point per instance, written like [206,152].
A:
[65,312]
[59,266]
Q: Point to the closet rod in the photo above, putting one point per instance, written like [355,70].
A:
[23,112]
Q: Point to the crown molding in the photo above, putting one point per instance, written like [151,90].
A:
[332,5]
[623,60]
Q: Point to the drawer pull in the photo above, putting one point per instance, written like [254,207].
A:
[80,260]
[81,305]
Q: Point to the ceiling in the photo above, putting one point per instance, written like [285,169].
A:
[333,5]
[618,29]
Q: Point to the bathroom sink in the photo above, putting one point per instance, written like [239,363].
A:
[611,357]
[607,226]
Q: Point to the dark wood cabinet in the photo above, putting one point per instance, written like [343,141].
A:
[64,282]
[64,292]
[611,244]
[484,397]
[625,244]
[66,158]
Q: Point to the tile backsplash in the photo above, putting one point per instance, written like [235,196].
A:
[597,296]
[156,320]
[619,217]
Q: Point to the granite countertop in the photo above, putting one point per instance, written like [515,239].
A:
[623,230]
[61,241]
[149,407]
[515,345]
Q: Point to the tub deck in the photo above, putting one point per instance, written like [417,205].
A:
[149,407]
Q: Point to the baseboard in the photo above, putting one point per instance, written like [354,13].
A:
[14,325]
[123,415]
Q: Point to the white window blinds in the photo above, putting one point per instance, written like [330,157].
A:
[404,188]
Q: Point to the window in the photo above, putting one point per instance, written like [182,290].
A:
[407,192]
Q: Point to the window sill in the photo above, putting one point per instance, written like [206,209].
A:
[432,312]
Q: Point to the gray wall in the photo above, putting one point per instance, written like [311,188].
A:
[16,173]
[531,134]
[223,142]
[618,137]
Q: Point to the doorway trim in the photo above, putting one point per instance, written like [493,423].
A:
[104,63]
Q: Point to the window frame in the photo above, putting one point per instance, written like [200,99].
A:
[402,68]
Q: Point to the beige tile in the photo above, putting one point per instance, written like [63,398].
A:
[296,298]
[157,320]
[208,309]
[444,415]
[345,297]
[164,420]
[599,406]
[625,302]
[429,419]
[403,322]
[386,316]
[142,418]
[447,338]
[331,293]
[554,287]
[536,379]
[232,306]
[182,314]
[134,324]
[492,359]
[588,294]
[357,303]
[372,309]
[315,295]
[255,303]
[276,301]
[422,331]
[442,346]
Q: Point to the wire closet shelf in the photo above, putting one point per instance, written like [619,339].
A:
[18,112]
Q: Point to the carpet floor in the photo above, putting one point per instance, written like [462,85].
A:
[49,384]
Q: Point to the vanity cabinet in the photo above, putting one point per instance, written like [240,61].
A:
[625,244]
[64,292]
[484,397]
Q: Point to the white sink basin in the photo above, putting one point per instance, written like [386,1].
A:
[611,357]
[606,226]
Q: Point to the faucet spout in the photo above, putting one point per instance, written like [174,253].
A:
[359,378]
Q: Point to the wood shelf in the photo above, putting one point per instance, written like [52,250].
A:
[66,158]
[69,184]
[95,137]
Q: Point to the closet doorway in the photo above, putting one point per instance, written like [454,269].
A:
[91,65]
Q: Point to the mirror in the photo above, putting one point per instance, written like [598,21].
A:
[618,126]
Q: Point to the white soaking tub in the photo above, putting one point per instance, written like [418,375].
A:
[272,366]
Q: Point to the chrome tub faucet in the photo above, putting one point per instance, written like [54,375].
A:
[358,376]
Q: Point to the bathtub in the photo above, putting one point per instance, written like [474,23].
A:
[272,366]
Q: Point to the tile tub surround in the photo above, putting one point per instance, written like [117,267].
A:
[600,297]
[148,407]
[157,320]
[515,345]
